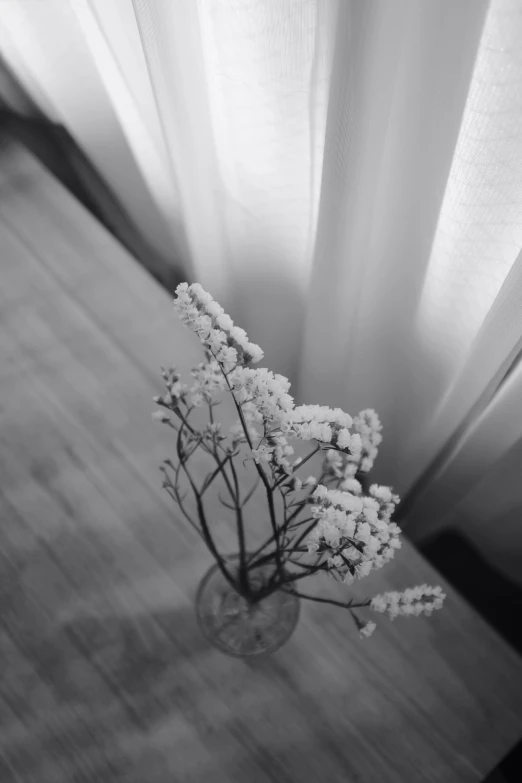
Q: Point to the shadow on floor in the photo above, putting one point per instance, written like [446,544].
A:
[497,599]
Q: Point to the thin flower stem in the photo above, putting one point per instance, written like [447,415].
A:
[308,597]
[300,505]
[201,514]
[269,540]
[300,464]
[240,533]
[260,549]
[271,556]
[297,577]
[306,533]
[237,508]
[298,510]
[208,481]
[310,568]
[222,469]
[211,545]
[298,524]
[261,472]
[284,528]
[301,522]
[307,566]
[250,493]
[171,488]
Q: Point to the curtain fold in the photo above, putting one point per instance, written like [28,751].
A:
[345,177]
[478,420]
[467,320]
[398,95]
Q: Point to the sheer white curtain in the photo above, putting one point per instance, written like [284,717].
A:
[346,177]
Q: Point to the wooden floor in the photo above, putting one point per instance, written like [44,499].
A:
[103,673]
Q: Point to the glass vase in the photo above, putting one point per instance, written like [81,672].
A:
[240,627]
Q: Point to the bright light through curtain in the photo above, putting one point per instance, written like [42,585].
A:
[468,321]
[344,176]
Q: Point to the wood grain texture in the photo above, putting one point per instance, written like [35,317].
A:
[104,675]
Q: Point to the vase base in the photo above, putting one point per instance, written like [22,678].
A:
[239,628]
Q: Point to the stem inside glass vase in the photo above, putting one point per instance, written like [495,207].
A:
[240,623]
[253,584]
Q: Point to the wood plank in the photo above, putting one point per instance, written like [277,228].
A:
[104,673]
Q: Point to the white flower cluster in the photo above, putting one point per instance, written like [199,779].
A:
[362,449]
[202,314]
[208,380]
[328,425]
[263,396]
[295,484]
[280,451]
[356,531]
[368,425]
[275,452]
[386,498]
[264,399]
[339,465]
[352,530]
[413,601]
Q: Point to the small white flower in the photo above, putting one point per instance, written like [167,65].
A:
[236,430]
[372,547]
[216,341]
[351,485]
[320,492]
[384,494]
[262,454]
[227,356]
[255,352]
[214,309]
[379,603]
[344,439]
[239,335]
[356,444]
[225,322]
[363,568]
[331,534]
[367,629]
[335,562]
[363,532]
[321,431]
[160,416]
[348,526]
